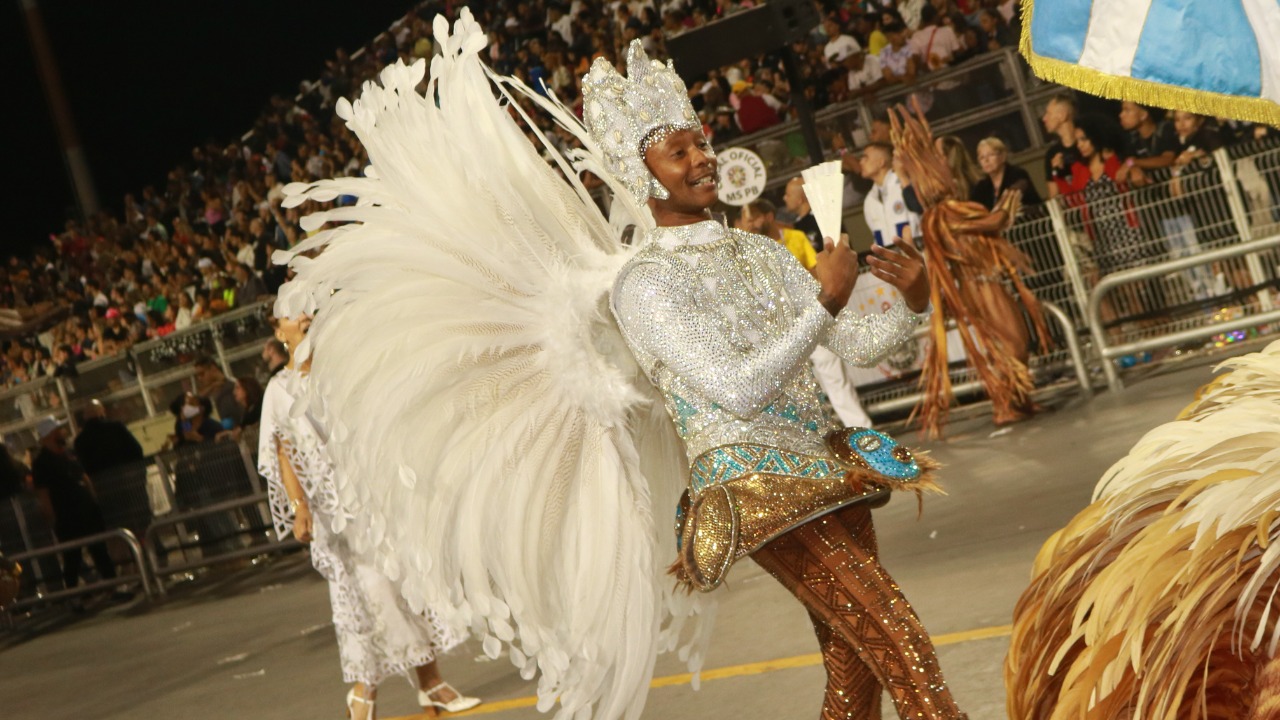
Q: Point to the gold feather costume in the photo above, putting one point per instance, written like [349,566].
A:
[968,264]
[1156,601]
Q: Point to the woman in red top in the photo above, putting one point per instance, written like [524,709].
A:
[1108,216]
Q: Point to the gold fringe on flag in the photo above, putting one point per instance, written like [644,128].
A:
[1144,92]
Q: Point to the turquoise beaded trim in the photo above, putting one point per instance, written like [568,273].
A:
[725,463]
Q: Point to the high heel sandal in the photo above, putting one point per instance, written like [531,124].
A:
[458,704]
[353,698]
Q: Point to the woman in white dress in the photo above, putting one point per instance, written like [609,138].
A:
[378,635]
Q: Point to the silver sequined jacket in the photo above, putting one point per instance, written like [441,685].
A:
[723,322]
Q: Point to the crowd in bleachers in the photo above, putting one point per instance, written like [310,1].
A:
[200,243]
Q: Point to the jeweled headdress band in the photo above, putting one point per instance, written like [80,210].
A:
[626,116]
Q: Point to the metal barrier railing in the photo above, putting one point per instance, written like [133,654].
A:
[1176,261]
[152,538]
[137,384]
[205,502]
[903,395]
[1197,331]
[142,576]
[992,94]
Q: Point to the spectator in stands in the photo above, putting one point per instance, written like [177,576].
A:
[754,113]
[275,355]
[934,43]
[223,204]
[1196,138]
[839,44]
[907,12]
[1107,214]
[212,383]
[66,496]
[13,477]
[993,157]
[996,31]
[794,199]
[761,217]
[1062,154]
[1150,143]
[863,74]
[64,362]
[104,444]
[880,130]
[964,171]
[885,208]
[723,128]
[1100,147]
[192,424]
[559,23]
[160,324]
[898,61]
[249,287]
[867,27]
[115,330]
[249,395]
[182,316]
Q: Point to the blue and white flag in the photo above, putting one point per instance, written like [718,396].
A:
[1214,57]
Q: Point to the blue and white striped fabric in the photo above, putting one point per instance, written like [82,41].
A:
[1217,57]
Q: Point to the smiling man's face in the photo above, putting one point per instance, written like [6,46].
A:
[685,164]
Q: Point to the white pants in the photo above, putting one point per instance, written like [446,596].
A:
[829,369]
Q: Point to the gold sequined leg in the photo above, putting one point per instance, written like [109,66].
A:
[830,565]
[853,692]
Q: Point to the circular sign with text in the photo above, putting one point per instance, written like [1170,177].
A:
[742,176]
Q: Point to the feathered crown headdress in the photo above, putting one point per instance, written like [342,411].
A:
[627,115]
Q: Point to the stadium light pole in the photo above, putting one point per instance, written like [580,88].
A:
[73,155]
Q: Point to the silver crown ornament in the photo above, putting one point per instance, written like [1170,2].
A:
[626,115]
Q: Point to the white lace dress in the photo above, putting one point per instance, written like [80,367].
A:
[378,635]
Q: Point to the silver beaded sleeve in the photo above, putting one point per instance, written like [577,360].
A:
[863,340]
[659,313]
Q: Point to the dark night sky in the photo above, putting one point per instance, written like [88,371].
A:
[147,80]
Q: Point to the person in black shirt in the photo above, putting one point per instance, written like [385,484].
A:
[13,478]
[249,395]
[1060,119]
[1151,143]
[993,157]
[275,356]
[66,495]
[64,362]
[1196,137]
[214,385]
[104,444]
[192,424]
[115,329]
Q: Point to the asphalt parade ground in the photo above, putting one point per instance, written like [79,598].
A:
[255,642]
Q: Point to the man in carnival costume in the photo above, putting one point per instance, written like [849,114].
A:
[509,463]
[723,322]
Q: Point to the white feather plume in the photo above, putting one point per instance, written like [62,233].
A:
[509,464]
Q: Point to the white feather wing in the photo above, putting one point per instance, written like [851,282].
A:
[506,458]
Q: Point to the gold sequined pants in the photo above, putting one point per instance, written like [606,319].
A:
[869,635]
